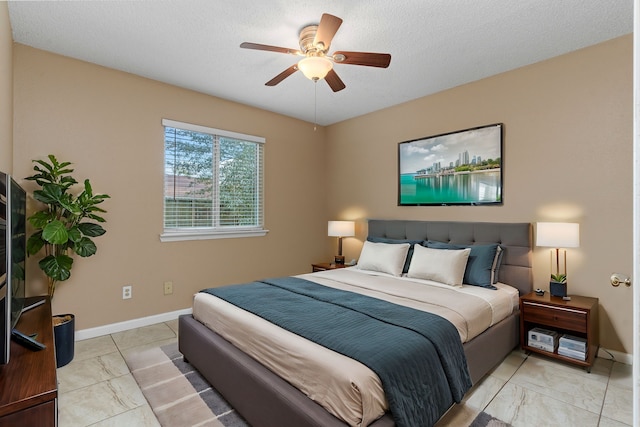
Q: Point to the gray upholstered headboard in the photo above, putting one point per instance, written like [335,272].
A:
[514,238]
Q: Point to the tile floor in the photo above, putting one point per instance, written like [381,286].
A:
[97,389]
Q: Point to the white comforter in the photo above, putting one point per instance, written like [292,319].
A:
[344,387]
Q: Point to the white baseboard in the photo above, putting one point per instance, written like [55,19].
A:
[129,324]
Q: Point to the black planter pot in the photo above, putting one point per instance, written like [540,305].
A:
[557,289]
[64,335]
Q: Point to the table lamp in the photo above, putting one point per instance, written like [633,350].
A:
[341,229]
[558,235]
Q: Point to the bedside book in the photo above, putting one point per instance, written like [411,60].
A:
[573,343]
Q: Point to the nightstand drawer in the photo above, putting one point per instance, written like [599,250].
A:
[558,317]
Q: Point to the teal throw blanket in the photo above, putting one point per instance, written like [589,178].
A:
[418,356]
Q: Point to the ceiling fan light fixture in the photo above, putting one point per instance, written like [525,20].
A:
[315,67]
[317,64]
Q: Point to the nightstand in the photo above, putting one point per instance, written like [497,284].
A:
[578,317]
[322,266]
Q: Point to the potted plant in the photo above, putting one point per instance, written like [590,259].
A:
[65,226]
[558,285]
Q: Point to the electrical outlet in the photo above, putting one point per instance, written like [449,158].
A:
[126,292]
[168,288]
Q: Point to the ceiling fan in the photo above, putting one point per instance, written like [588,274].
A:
[317,64]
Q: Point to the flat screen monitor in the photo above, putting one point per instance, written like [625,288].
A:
[12,259]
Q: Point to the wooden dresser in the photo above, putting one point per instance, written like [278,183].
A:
[28,383]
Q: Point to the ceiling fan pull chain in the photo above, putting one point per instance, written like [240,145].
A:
[315,105]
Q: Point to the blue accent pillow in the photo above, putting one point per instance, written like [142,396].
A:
[407,261]
[495,271]
[479,264]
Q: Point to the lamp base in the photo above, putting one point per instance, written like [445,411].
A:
[558,289]
[339,259]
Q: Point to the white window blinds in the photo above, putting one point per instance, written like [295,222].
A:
[213,183]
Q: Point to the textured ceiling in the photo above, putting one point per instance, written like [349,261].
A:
[435,44]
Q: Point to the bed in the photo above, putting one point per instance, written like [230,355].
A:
[265,399]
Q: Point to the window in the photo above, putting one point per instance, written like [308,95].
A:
[213,183]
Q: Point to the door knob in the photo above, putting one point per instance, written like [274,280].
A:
[617,278]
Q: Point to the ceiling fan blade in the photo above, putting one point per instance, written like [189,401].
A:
[334,82]
[258,46]
[327,28]
[368,59]
[283,75]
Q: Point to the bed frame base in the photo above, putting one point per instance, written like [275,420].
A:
[260,396]
[266,400]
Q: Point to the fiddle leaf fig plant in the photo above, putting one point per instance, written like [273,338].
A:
[68,222]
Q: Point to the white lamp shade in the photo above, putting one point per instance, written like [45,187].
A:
[315,67]
[558,234]
[341,228]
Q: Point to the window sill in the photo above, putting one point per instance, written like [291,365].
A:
[177,236]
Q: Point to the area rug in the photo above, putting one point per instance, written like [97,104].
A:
[485,420]
[177,393]
[180,396]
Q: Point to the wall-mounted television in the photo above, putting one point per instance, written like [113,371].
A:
[455,168]
[12,259]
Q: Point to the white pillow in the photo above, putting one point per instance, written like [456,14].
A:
[383,257]
[440,265]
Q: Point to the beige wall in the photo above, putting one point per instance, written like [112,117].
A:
[6,91]
[567,157]
[108,123]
